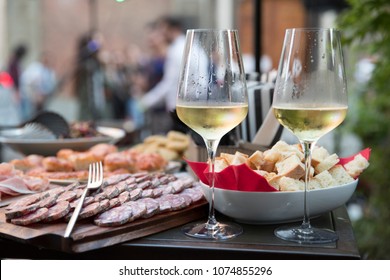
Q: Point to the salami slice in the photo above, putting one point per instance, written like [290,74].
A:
[195,194]
[135,194]
[164,205]
[121,186]
[56,212]
[111,191]
[31,218]
[21,211]
[152,207]
[156,182]
[177,202]
[115,179]
[24,201]
[131,187]
[187,199]
[47,202]
[88,200]
[68,196]
[167,189]
[177,186]
[114,202]
[141,179]
[100,196]
[130,180]
[147,193]
[89,210]
[124,197]
[144,184]
[114,217]
[157,192]
[138,208]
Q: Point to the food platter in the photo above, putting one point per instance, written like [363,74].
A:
[51,147]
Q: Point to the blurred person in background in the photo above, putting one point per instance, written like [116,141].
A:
[117,83]
[14,65]
[89,79]
[37,83]
[164,92]
[148,74]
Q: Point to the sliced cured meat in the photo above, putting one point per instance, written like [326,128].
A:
[67,195]
[31,218]
[135,194]
[36,184]
[144,185]
[114,202]
[131,187]
[177,202]
[147,193]
[121,186]
[164,179]
[73,186]
[157,192]
[167,189]
[114,179]
[142,178]
[48,201]
[94,209]
[156,182]
[21,211]
[138,208]
[130,180]
[14,186]
[24,201]
[187,199]
[88,200]
[152,207]
[111,191]
[58,211]
[187,181]
[124,197]
[164,205]
[177,186]
[115,216]
[195,194]
[100,196]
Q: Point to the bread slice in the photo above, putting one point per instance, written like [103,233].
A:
[356,166]
[256,160]
[290,184]
[291,167]
[325,179]
[327,163]
[220,164]
[340,175]
[239,158]
[318,155]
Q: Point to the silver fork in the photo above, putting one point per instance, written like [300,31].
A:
[95,180]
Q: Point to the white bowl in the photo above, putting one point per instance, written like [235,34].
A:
[278,207]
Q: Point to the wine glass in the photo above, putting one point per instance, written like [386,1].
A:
[310,99]
[212,100]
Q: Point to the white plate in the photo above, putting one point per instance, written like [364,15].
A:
[278,207]
[51,147]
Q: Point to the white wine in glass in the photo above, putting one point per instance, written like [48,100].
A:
[310,100]
[212,100]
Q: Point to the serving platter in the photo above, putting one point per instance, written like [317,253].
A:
[86,236]
[51,147]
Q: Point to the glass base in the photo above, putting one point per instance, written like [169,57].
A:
[308,235]
[218,232]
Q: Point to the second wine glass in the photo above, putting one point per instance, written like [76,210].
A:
[310,99]
[212,100]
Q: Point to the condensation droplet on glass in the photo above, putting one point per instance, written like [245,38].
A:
[323,56]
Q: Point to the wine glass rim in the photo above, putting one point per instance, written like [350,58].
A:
[312,29]
[211,30]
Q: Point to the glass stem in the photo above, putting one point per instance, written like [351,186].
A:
[211,146]
[307,148]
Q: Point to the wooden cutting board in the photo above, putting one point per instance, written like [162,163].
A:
[87,236]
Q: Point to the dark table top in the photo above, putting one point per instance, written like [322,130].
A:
[257,242]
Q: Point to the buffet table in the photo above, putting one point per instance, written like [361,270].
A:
[257,242]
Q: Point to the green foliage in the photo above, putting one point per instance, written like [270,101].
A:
[366,27]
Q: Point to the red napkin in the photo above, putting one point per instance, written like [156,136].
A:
[242,178]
